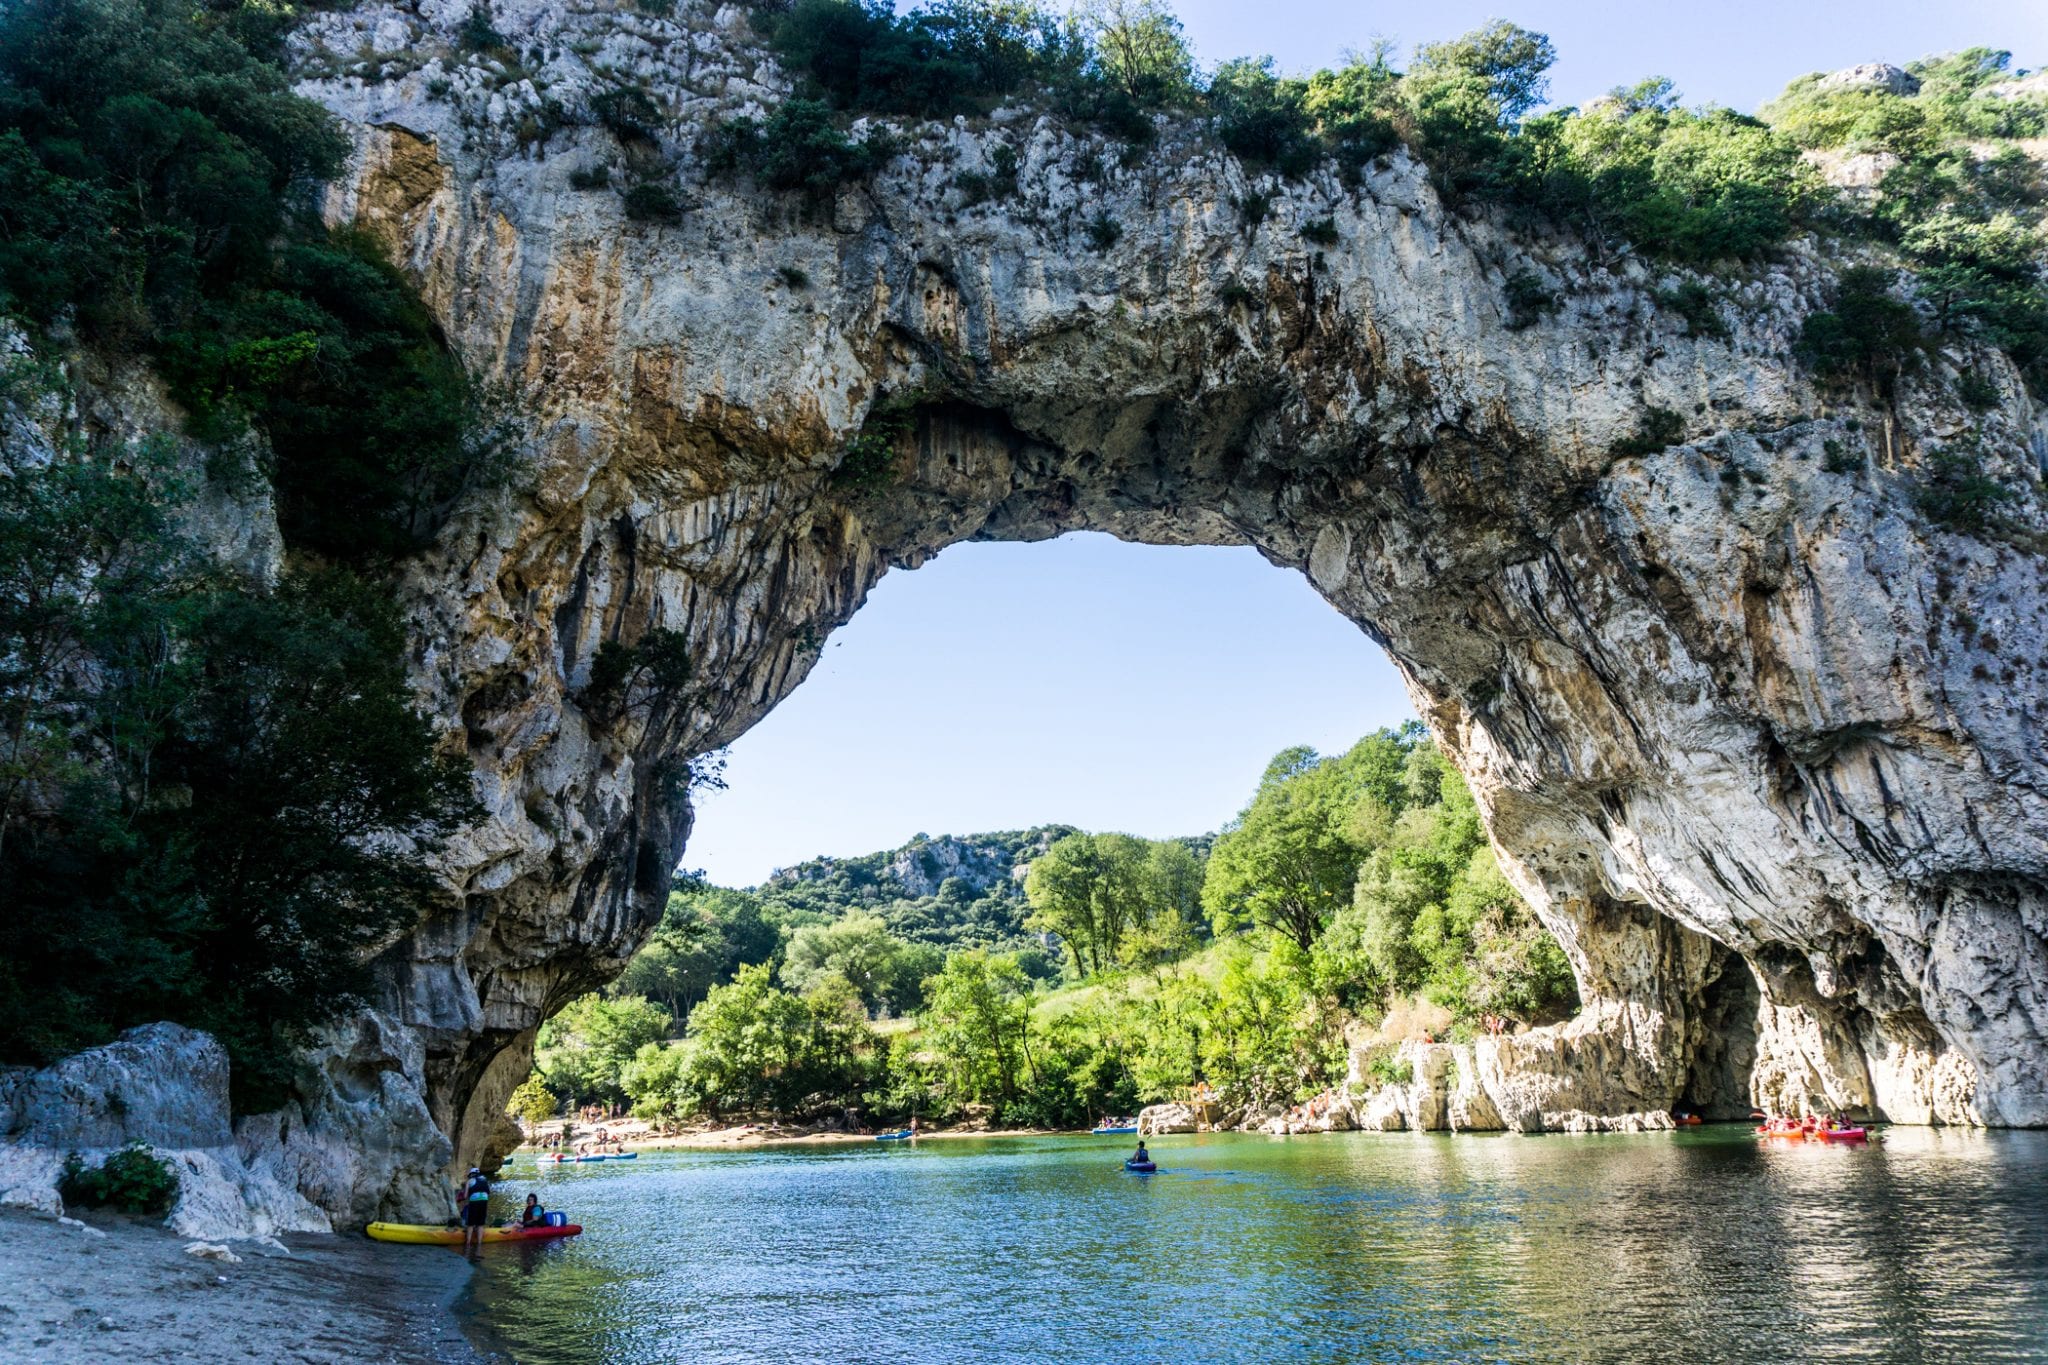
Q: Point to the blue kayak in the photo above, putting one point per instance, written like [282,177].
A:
[1104,1132]
[1140,1167]
[902,1136]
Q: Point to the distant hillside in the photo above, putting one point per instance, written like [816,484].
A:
[964,891]
[953,891]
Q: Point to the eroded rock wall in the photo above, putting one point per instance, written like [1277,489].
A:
[1733,693]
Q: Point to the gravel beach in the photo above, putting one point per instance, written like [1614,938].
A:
[132,1292]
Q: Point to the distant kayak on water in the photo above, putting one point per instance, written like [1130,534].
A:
[1100,1131]
[425,1234]
[901,1135]
[1141,1167]
[593,1156]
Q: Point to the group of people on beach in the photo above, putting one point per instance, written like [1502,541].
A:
[602,1143]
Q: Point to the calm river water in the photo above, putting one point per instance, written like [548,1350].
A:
[1353,1247]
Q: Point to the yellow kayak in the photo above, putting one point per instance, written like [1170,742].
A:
[428,1235]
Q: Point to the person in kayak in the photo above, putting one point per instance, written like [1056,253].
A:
[476,1205]
[1141,1154]
[533,1215]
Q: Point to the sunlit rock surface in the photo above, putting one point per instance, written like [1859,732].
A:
[1760,743]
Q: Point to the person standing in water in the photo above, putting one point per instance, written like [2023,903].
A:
[476,1205]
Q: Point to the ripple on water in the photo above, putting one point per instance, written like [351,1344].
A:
[1699,1245]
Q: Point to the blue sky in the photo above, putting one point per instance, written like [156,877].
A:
[1733,52]
[1143,688]
[1080,680]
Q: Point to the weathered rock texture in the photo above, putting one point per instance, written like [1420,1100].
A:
[1750,732]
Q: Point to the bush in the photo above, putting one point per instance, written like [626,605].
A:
[150,159]
[1659,429]
[798,149]
[1263,120]
[1869,335]
[1320,231]
[1696,304]
[1977,391]
[627,112]
[590,178]
[651,201]
[998,182]
[1528,299]
[1103,232]
[132,1180]
[1388,1069]
[1958,495]
[533,1101]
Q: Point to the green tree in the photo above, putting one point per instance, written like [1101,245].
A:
[655,1081]
[533,1102]
[1511,65]
[706,934]
[151,162]
[755,1045]
[1287,863]
[975,1024]
[1140,50]
[218,801]
[584,1051]
[881,969]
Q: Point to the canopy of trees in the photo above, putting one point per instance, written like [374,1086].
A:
[1347,884]
[1116,900]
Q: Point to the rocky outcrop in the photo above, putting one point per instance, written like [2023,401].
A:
[1882,77]
[165,1087]
[1729,699]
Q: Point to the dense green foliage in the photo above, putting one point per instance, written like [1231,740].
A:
[1348,886]
[1431,913]
[197,782]
[858,955]
[132,1180]
[153,164]
[707,933]
[755,1046]
[215,798]
[583,1052]
[1116,900]
[1963,207]
[985,908]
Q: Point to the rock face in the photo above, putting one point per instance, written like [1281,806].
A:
[1750,731]
[1879,76]
[166,1087]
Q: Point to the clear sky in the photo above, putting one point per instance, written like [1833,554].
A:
[1732,52]
[1140,688]
[1080,680]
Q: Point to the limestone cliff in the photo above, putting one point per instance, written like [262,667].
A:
[1760,742]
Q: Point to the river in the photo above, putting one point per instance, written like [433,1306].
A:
[1695,1245]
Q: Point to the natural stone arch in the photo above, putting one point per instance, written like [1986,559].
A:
[1715,697]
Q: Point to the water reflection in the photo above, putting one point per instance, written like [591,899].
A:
[1698,1245]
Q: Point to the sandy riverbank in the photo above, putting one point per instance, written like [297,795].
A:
[748,1135]
[637,1135]
[132,1293]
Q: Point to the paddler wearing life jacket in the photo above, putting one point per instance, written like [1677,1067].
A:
[476,1206]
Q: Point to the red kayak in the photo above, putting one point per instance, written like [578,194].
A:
[1794,1133]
